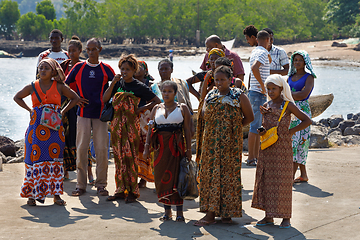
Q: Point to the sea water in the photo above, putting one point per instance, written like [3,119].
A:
[343,82]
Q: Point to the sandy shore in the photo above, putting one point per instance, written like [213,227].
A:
[320,52]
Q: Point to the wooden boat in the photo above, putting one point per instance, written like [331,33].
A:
[4,54]
[318,105]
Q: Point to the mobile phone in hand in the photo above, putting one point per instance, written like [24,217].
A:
[261,129]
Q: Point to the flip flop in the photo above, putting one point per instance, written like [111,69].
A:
[66,178]
[180,219]
[226,220]
[264,224]
[251,162]
[31,202]
[202,223]
[60,202]
[165,218]
[285,227]
[300,179]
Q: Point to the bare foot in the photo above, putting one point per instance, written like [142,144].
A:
[285,223]
[265,221]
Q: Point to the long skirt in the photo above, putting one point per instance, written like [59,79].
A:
[274,171]
[301,139]
[220,163]
[69,121]
[125,139]
[43,160]
[144,165]
[169,150]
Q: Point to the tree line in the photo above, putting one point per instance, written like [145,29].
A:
[144,21]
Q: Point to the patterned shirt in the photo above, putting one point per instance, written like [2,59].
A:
[279,58]
[259,54]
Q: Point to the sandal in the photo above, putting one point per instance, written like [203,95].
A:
[300,180]
[102,191]
[180,219]
[251,162]
[31,202]
[202,223]
[92,182]
[116,196]
[130,198]
[226,220]
[78,192]
[142,183]
[165,218]
[60,202]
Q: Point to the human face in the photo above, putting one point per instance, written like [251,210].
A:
[168,94]
[74,53]
[299,62]
[271,41]
[45,71]
[212,60]
[251,40]
[127,71]
[140,73]
[55,40]
[165,71]
[274,91]
[222,82]
[93,51]
[210,45]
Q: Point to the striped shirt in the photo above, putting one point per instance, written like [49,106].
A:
[259,54]
[279,58]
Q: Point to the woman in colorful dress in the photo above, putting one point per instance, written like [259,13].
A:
[274,180]
[226,111]
[44,146]
[126,93]
[168,122]
[301,84]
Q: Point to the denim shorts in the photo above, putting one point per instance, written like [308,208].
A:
[256,100]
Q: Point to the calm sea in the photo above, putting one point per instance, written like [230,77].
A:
[343,82]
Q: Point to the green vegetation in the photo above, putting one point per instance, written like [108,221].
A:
[144,21]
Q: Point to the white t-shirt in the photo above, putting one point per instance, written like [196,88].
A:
[58,56]
[259,54]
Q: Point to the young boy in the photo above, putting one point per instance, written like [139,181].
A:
[56,53]
[260,69]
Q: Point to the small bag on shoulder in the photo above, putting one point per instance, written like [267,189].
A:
[107,113]
[49,117]
[271,136]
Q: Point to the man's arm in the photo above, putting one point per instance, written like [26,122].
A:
[190,81]
[283,71]
[256,72]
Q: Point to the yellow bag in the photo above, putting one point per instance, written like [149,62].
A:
[270,137]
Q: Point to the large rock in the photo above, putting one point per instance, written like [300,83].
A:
[345,124]
[334,120]
[2,160]
[318,137]
[336,44]
[7,146]
[324,122]
[16,160]
[335,137]
[353,130]
[352,140]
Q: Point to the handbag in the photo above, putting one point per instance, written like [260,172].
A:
[271,136]
[187,184]
[107,113]
[49,117]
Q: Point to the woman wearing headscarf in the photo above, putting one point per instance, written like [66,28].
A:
[274,176]
[301,84]
[44,145]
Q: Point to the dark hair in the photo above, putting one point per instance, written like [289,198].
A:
[262,35]
[250,30]
[166,61]
[214,39]
[57,31]
[169,83]
[75,40]
[131,60]
[269,31]
[94,40]
[225,70]
[224,61]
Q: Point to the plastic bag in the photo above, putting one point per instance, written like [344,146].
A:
[187,184]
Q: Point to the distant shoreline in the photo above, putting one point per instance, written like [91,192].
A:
[320,51]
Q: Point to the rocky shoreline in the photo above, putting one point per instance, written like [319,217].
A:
[33,48]
[334,131]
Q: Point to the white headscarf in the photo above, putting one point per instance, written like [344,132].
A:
[281,81]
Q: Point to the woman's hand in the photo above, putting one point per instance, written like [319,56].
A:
[139,110]
[189,155]
[264,110]
[262,132]
[31,112]
[116,78]
[82,102]
[146,152]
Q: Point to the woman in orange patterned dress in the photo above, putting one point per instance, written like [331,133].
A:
[274,171]
[44,146]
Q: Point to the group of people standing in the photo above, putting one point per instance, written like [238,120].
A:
[152,126]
